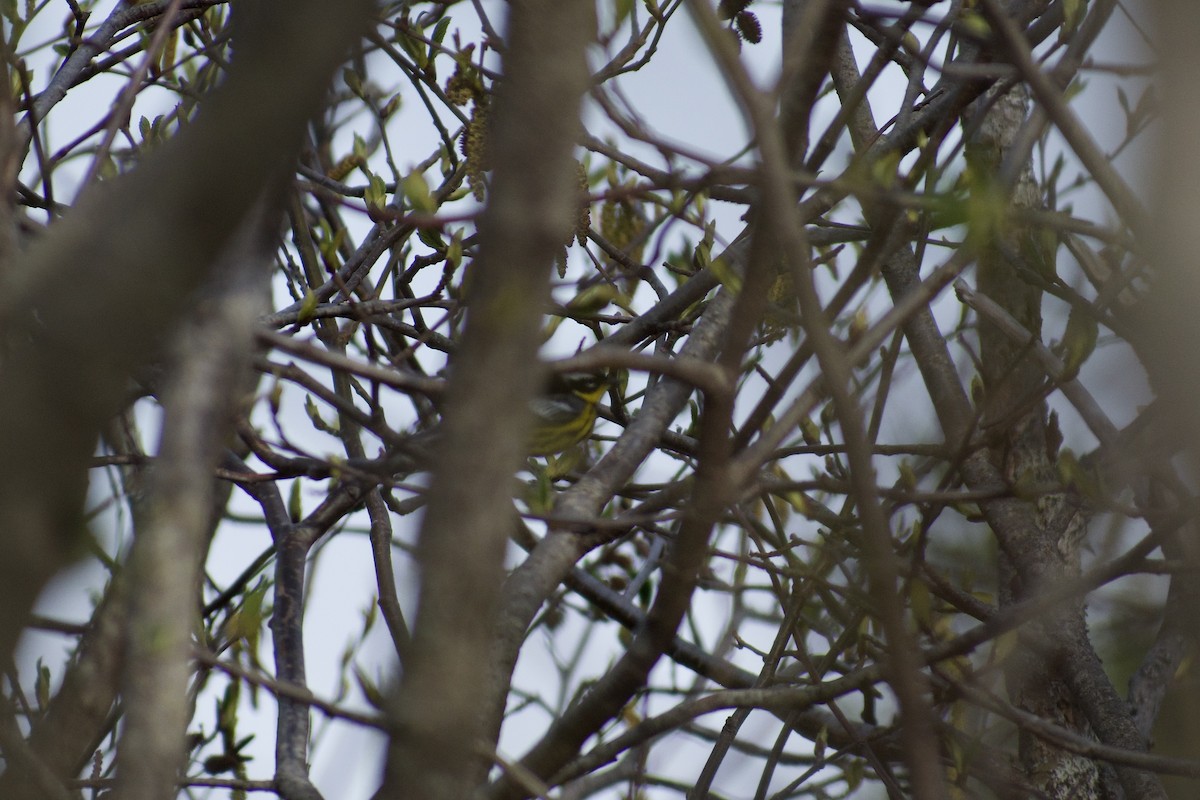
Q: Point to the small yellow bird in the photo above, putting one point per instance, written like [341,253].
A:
[566,413]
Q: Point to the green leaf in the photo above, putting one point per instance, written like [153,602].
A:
[1003,646]
[375,194]
[799,503]
[227,708]
[987,208]
[975,25]
[539,493]
[623,8]
[594,298]
[454,250]
[329,244]
[855,772]
[359,149]
[883,169]
[390,107]
[314,416]
[369,688]
[921,603]
[354,81]
[560,465]
[431,237]
[275,394]
[108,168]
[414,47]
[307,307]
[416,191]
[702,258]
[810,431]
[1072,16]
[1079,339]
[726,275]
[295,498]
[41,685]
[439,32]
[246,623]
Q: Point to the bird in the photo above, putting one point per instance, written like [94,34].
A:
[565,413]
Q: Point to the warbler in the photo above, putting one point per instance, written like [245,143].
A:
[565,414]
